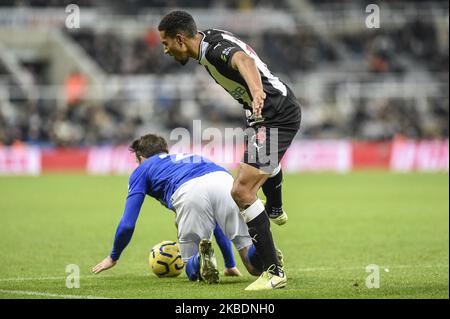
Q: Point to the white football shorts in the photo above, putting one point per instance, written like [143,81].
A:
[202,202]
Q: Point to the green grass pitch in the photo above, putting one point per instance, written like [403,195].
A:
[338,224]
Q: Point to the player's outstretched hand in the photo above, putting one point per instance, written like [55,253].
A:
[258,102]
[232,272]
[104,265]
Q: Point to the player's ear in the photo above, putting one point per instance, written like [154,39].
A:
[179,38]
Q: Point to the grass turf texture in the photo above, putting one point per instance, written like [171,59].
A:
[338,224]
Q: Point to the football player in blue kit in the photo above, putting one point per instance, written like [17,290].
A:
[198,191]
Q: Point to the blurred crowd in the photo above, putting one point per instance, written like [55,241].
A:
[119,54]
[396,50]
[80,122]
[86,124]
[45,3]
[134,6]
[366,56]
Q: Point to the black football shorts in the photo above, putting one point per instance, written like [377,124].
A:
[267,142]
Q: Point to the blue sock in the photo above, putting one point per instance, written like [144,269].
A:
[225,247]
[193,267]
[255,259]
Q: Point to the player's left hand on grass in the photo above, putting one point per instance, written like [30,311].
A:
[232,272]
[104,265]
[258,102]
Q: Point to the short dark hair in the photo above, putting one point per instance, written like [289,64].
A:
[149,145]
[176,22]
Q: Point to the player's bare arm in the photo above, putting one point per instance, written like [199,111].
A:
[247,68]
[104,265]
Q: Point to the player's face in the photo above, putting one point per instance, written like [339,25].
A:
[175,47]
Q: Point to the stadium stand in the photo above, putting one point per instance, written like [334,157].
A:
[353,82]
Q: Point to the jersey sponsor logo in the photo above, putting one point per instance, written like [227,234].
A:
[233,87]
[238,92]
[225,54]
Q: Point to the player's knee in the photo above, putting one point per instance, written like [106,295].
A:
[236,194]
[242,195]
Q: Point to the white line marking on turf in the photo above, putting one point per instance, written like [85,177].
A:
[51,278]
[362,268]
[299,269]
[31,279]
[45,294]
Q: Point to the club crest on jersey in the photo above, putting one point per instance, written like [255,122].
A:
[261,134]
[259,138]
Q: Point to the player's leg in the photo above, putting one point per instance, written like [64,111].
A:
[284,128]
[192,267]
[202,264]
[249,179]
[208,263]
[261,158]
[265,149]
[189,242]
[189,251]
[227,252]
[228,219]
[252,260]
[195,224]
[273,192]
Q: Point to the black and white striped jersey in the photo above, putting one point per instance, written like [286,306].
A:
[216,49]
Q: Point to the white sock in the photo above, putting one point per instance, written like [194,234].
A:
[253,211]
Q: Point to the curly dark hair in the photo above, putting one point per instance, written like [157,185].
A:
[149,145]
[178,22]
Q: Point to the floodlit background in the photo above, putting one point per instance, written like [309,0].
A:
[366,178]
[102,79]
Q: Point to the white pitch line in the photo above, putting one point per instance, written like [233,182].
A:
[31,279]
[363,268]
[64,277]
[50,278]
[45,294]
[299,269]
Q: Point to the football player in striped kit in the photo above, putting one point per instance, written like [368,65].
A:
[273,119]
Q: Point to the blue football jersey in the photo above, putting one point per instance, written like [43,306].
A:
[161,175]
